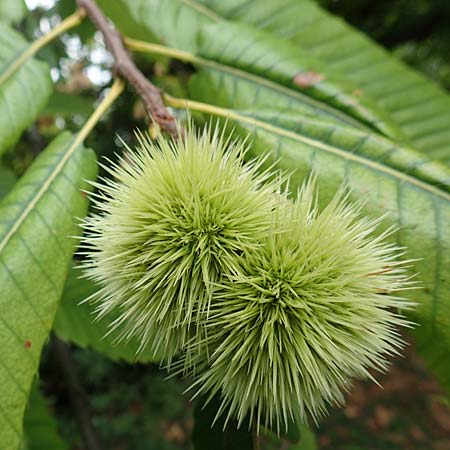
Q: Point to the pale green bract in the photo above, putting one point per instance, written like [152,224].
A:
[172,218]
[271,304]
[315,307]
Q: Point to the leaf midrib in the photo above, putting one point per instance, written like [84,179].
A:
[42,190]
[234,115]
[193,58]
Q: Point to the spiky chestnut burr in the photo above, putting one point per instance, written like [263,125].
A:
[173,216]
[313,308]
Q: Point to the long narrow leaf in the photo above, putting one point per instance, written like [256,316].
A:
[75,322]
[419,107]
[24,93]
[36,219]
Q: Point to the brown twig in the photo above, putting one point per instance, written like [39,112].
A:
[125,67]
[77,394]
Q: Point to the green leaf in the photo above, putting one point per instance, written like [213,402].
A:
[206,436]
[307,440]
[302,78]
[418,106]
[357,72]
[36,219]
[12,11]
[263,69]
[40,428]
[24,93]
[75,322]
[299,437]
[175,22]
[7,180]
[241,68]
[209,433]
[66,105]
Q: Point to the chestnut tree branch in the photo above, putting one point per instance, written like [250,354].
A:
[125,67]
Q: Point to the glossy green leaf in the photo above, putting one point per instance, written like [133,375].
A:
[24,93]
[75,322]
[7,180]
[37,219]
[174,22]
[260,68]
[40,428]
[12,11]
[419,107]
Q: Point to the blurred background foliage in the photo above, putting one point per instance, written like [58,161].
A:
[134,407]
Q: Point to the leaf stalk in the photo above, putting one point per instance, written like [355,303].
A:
[113,94]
